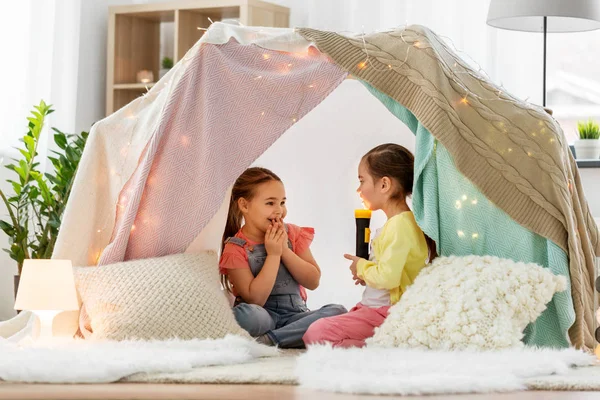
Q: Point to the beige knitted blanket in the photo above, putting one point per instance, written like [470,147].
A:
[513,151]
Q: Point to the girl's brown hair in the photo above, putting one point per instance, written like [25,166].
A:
[397,163]
[244,187]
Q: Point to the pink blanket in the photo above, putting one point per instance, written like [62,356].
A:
[232,103]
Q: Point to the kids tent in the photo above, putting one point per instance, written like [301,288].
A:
[493,174]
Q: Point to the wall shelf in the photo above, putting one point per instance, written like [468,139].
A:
[125,86]
[134,36]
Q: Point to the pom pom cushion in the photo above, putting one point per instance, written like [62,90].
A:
[176,296]
[474,303]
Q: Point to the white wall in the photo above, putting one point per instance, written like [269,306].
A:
[322,194]
[590,178]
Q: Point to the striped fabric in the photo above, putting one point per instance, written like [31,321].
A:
[463,222]
[232,103]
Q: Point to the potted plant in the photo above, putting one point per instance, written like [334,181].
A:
[35,208]
[166,64]
[588,145]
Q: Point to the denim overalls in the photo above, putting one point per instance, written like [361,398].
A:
[284,316]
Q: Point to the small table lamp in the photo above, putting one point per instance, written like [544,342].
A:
[46,288]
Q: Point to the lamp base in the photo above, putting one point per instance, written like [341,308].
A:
[45,319]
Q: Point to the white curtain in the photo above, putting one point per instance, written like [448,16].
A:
[40,42]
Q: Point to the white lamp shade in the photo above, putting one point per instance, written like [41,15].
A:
[47,285]
[528,15]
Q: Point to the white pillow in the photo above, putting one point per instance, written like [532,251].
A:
[475,303]
[176,296]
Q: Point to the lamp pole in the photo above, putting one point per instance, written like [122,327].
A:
[544,85]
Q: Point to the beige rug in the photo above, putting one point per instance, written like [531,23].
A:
[281,370]
[586,378]
[267,370]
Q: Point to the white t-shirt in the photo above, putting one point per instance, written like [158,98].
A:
[372,297]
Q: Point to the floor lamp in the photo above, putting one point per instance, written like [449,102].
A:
[546,16]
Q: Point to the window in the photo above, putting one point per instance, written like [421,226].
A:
[573,79]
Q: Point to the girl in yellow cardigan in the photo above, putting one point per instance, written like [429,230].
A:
[399,249]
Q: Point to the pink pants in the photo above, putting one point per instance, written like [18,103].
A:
[346,330]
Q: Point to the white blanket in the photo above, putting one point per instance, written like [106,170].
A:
[81,361]
[418,372]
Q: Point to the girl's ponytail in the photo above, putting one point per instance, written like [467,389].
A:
[234,221]
[432,248]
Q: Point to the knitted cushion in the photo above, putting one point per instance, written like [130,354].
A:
[157,298]
[472,302]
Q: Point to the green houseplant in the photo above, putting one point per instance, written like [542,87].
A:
[588,145]
[38,200]
[166,64]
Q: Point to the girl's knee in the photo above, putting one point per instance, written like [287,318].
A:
[331,310]
[253,318]
[318,332]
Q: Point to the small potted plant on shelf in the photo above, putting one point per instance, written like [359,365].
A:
[588,145]
[166,64]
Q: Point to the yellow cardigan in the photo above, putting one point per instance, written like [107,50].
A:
[400,253]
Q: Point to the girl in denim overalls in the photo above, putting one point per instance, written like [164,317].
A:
[267,264]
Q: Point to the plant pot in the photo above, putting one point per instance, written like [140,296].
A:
[16,280]
[162,72]
[587,149]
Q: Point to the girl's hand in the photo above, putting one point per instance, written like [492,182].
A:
[353,265]
[273,240]
[284,244]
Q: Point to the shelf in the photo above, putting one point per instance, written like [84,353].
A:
[588,163]
[584,163]
[138,86]
[140,34]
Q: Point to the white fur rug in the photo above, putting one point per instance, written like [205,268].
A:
[79,361]
[238,360]
[415,372]
[282,370]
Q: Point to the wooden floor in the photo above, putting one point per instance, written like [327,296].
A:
[132,391]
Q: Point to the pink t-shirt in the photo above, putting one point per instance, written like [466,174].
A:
[235,256]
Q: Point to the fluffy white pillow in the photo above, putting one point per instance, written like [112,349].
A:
[475,303]
[176,296]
